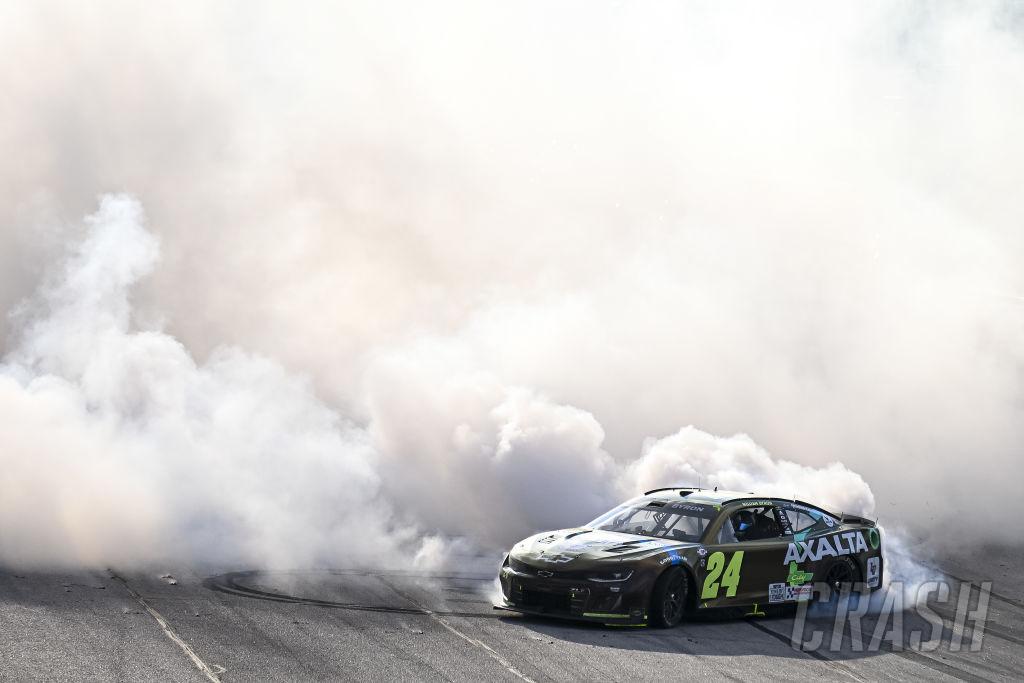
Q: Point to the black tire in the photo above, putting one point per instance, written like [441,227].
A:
[668,599]
[840,575]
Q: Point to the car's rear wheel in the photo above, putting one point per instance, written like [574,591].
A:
[668,599]
[842,575]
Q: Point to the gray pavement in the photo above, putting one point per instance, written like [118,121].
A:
[377,625]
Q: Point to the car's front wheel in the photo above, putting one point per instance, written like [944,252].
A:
[668,599]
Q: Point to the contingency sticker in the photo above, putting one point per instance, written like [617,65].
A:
[873,573]
[799,593]
[776,592]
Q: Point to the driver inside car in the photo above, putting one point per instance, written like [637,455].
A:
[752,526]
[743,524]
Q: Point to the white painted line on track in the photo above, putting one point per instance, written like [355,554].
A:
[491,652]
[170,632]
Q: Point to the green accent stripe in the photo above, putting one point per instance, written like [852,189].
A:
[605,615]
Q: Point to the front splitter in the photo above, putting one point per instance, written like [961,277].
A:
[606,618]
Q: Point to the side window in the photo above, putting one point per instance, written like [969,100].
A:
[751,524]
[643,522]
[806,520]
[799,520]
[688,528]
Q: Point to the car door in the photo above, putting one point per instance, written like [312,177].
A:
[740,567]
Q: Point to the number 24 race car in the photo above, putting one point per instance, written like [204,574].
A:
[671,551]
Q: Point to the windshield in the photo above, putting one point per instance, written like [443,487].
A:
[676,521]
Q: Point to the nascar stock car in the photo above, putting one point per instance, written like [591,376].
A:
[669,552]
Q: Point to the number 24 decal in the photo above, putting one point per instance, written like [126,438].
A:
[730,579]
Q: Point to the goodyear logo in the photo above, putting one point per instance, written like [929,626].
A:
[847,543]
[672,557]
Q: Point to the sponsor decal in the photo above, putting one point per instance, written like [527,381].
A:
[672,557]
[845,543]
[755,503]
[874,539]
[797,577]
[798,593]
[829,522]
[873,571]
[702,551]
[796,590]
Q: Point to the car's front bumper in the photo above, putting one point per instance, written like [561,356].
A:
[604,603]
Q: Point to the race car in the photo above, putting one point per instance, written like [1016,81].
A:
[672,551]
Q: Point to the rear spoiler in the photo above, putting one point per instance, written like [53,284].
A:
[854,519]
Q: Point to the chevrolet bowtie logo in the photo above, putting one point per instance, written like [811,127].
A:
[544,573]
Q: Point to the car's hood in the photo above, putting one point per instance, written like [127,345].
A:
[570,547]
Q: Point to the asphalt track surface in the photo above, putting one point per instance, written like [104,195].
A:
[397,625]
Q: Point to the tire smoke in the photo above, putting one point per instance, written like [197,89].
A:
[457,271]
[120,447]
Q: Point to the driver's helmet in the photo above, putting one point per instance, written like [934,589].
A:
[743,520]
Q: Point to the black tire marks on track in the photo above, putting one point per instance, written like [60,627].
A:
[232,584]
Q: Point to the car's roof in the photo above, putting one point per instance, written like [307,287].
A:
[715,496]
[699,495]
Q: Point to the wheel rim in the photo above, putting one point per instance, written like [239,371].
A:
[672,606]
[838,575]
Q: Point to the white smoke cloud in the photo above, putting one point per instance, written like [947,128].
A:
[691,457]
[121,448]
[468,455]
[576,225]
